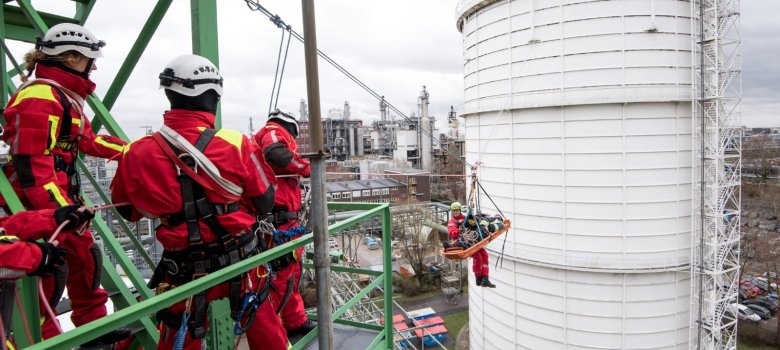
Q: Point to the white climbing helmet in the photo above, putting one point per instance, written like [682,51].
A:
[70,37]
[191,75]
[284,117]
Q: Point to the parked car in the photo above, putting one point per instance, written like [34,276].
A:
[761,284]
[760,311]
[763,302]
[744,313]
[374,245]
[772,295]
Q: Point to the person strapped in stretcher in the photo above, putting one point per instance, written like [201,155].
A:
[467,230]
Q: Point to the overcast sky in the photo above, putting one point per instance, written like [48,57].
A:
[395,47]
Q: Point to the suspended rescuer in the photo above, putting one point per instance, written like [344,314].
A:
[46,128]
[276,145]
[480,264]
[207,187]
[21,255]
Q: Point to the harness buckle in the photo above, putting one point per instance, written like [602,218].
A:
[189,160]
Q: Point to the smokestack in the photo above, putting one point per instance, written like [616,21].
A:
[303,110]
[427,132]
[383,109]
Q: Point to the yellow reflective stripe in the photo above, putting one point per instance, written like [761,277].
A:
[9,345]
[39,91]
[55,192]
[100,141]
[76,121]
[8,239]
[233,137]
[53,127]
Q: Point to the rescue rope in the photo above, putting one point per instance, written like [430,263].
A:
[52,239]
[23,315]
[272,103]
[281,237]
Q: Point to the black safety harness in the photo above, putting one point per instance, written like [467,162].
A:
[63,142]
[199,259]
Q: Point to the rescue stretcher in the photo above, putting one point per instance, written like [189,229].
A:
[460,253]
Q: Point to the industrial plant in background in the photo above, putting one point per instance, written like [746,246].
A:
[362,151]
[610,131]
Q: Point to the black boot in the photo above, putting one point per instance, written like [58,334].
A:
[486,283]
[306,327]
[107,339]
[479,281]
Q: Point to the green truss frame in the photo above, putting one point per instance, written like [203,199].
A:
[24,23]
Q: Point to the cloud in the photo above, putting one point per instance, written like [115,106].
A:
[395,47]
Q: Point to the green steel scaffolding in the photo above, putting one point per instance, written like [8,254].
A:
[22,22]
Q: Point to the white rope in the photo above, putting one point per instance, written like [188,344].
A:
[203,163]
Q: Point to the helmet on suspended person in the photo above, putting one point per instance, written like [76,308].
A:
[191,75]
[455,206]
[65,37]
[286,119]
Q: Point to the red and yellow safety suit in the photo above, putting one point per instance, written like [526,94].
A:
[41,169]
[17,257]
[480,264]
[277,147]
[147,178]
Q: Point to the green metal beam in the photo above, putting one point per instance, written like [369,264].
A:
[205,36]
[147,32]
[16,16]
[103,116]
[370,327]
[345,224]
[33,16]
[83,9]
[347,269]
[144,308]
[377,342]
[122,223]
[112,244]
[387,229]
[111,280]
[363,292]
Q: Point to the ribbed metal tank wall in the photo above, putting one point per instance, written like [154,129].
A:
[590,156]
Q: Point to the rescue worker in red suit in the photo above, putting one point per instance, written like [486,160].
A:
[207,187]
[277,146]
[480,264]
[21,256]
[46,128]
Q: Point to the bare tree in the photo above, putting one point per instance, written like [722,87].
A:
[759,154]
[417,242]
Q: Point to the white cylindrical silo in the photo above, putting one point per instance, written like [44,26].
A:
[580,114]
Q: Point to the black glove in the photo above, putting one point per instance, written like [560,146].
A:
[52,257]
[75,216]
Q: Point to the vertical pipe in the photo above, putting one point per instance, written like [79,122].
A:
[702,184]
[387,252]
[318,207]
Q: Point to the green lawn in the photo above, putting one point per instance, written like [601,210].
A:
[743,346]
[454,322]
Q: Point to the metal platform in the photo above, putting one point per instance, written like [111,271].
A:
[344,338]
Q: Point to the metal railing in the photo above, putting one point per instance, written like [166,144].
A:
[141,311]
